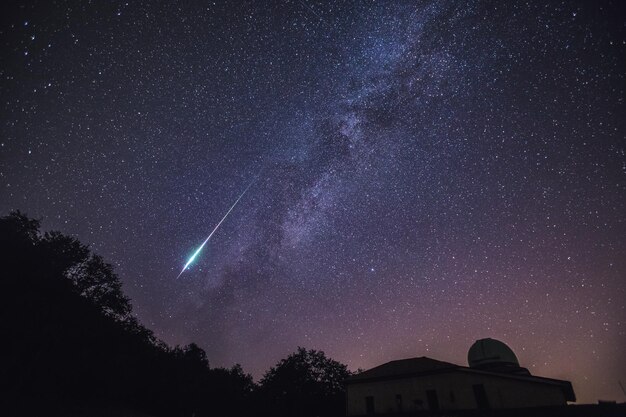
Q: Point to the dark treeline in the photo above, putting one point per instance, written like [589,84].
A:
[70,346]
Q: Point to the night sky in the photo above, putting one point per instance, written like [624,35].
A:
[427,174]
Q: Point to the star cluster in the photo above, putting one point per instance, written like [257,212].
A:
[429,173]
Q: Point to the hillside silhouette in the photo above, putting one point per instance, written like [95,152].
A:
[72,347]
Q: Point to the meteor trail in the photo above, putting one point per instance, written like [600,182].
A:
[191,259]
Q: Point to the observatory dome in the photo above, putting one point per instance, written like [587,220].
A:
[489,353]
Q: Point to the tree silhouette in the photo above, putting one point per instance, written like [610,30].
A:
[70,343]
[306,383]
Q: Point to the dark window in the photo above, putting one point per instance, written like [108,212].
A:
[433,400]
[399,402]
[481,396]
[369,405]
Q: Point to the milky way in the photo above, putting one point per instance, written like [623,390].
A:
[432,172]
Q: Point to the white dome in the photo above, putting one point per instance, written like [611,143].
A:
[489,352]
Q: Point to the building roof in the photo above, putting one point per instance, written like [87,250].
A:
[403,368]
[423,366]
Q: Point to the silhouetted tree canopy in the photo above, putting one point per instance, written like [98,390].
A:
[71,346]
[306,383]
[72,342]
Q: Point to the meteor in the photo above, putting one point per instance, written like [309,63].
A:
[197,252]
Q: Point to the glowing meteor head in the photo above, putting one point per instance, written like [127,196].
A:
[197,252]
[193,257]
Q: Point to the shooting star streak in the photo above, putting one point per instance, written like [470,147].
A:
[197,252]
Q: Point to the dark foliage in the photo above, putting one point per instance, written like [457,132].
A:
[306,383]
[72,347]
[71,343]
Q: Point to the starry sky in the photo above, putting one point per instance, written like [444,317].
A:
[427,173]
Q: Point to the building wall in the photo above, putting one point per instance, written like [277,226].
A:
[454,392]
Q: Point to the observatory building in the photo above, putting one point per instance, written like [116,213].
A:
[493,380]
